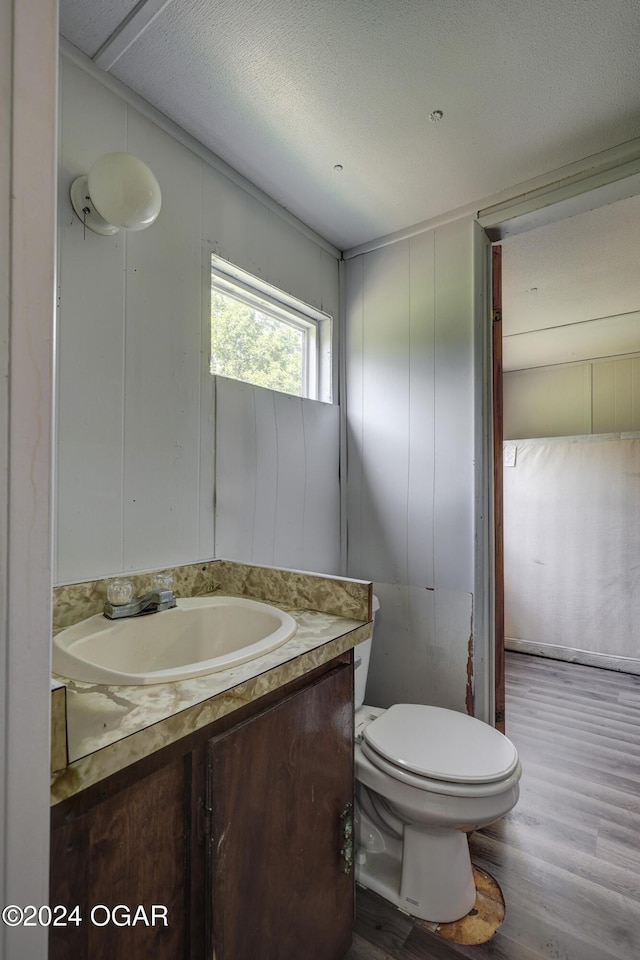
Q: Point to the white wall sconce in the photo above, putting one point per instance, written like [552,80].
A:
[120,191]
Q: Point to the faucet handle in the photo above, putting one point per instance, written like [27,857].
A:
[120,592]
[162,581]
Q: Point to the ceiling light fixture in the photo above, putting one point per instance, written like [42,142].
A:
[120,191]
[338,167]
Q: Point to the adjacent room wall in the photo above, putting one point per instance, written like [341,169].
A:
[410,358]
[598,396]
[136,405]
[572,549]
[571,526]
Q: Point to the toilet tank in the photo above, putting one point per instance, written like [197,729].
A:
[361,655]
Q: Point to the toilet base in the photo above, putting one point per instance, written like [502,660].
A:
[428,874]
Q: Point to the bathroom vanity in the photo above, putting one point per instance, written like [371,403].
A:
[223,829]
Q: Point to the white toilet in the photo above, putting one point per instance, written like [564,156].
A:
[425,776]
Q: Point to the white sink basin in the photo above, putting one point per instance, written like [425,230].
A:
[200,635]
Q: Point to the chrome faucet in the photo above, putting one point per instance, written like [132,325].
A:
[122,603]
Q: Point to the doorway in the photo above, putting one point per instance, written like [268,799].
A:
[570,345]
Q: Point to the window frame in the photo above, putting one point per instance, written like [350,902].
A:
[316,325]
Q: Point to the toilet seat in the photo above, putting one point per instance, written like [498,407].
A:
[460,756]
[445,787]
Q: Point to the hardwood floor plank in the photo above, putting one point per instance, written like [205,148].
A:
[362,949]
[610,872]
[592,776]
[619,719]
[568,802]
[602,790]
[532,822]
[630,698]
[609,734]
[588,768]
[547,904]
[424,946]
[613,847]
[614,719]
[380,922]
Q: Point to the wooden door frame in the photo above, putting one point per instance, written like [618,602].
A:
[588,184]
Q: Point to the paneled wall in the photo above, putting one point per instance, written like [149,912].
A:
[278,480]
[136,405]
[615,395]
[599,396]
[410,481]
[572,549]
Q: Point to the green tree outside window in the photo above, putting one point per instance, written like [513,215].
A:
[249,345]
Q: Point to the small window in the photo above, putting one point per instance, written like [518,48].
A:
[263,336]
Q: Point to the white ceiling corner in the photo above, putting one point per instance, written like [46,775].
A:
[127,32]
[87,25]
[283,91]
[571,290]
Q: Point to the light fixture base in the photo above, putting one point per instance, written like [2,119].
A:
[84,208]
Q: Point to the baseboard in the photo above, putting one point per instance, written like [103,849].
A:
[603,660]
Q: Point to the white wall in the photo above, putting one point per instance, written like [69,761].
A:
[411,350]
[277,479]
[135,440]
[572,549]
[599,396]
[28,67]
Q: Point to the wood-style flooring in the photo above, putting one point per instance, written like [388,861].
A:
[567,857]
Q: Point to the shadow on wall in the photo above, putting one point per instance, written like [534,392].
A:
[421,640]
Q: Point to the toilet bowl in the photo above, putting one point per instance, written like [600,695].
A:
[425,777]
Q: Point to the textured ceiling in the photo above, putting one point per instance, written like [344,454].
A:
[284,90]
[571,290]
[87,25]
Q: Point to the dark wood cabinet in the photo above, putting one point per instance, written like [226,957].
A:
[126,851]
[280,788]
[236,835]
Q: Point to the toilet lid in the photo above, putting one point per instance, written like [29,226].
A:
[441,744]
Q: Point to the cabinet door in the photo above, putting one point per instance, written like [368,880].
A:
[131,849]
[278,787]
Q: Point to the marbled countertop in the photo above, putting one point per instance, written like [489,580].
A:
[110,727]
